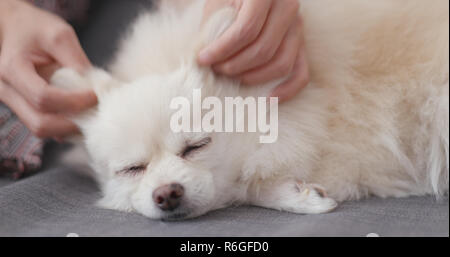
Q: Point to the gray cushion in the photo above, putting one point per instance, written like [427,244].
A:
[60,201]
[4,182]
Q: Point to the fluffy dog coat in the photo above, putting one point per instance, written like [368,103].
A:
[373,121]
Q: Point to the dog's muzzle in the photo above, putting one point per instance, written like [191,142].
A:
[168,197]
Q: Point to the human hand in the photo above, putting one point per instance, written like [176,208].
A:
[263,44]
[33,43]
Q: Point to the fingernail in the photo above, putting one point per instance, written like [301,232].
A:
[204,57]
[90,98]
[274,93]
[277,94]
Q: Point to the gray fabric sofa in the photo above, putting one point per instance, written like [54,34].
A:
[59,201]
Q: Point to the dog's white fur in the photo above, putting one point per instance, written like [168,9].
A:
[373,121]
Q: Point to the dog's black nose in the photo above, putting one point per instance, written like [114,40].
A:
[168,197]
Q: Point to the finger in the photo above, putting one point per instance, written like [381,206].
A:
[283,62]
[46,71]
[282,15]
[68,52]
[242,32]
[40,124]
[45,98]
[297,82]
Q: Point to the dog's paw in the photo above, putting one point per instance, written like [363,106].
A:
[311,199]
[292,196]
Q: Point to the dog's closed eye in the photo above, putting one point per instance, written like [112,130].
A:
[133,170]
[192,148]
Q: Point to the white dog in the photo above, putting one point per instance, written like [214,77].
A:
[373,121]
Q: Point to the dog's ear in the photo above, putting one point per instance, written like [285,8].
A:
[96,79]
